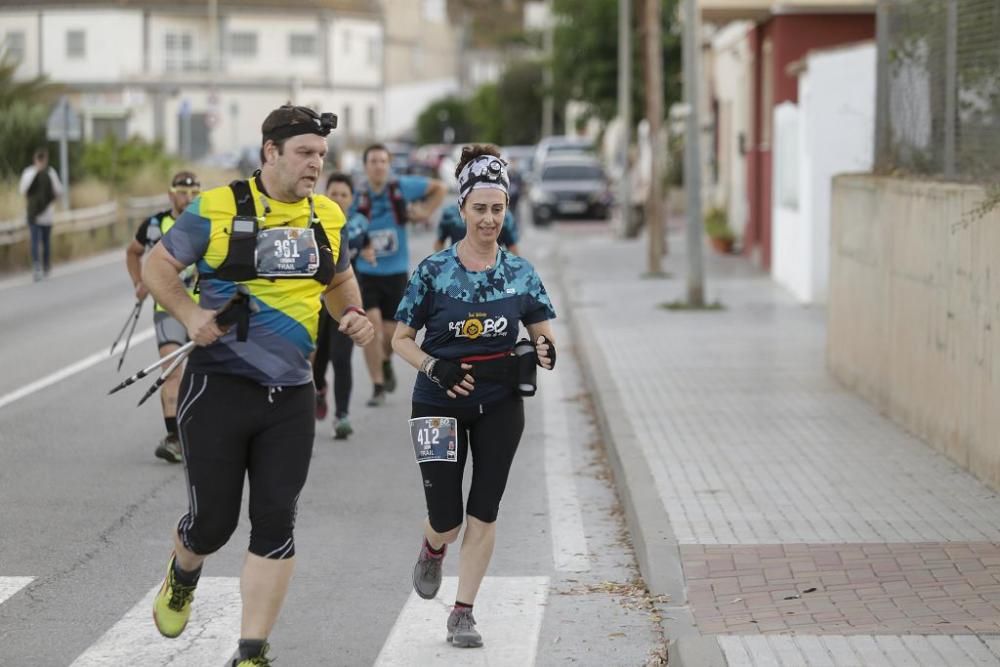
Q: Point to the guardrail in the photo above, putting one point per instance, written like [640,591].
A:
[86,219]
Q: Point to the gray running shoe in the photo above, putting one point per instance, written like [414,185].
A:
[389,375]
[169,449]
[342,428]
[377,399]
[462,629]
[427,573]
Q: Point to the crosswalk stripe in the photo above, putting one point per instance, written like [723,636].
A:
[508,613]
[11,585]
[569,544]
[210,638]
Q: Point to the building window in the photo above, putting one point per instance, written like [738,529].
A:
[13,45]
[371,120]
[373,50]
[178,50]
[434,11]
[108,127]
[76,44]
[346,125]
[346,36]
[302,44]
[243,44]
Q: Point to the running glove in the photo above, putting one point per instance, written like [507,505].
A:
[551,351]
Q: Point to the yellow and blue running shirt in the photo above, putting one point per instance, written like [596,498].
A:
[283,334]
[471,313]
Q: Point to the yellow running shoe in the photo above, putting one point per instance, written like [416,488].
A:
[257,661]
[172,605]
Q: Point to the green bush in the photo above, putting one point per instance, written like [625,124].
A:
[22,130]
[717,225]
[114,161]
[446,112]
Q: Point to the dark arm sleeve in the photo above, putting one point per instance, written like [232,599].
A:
[142,233]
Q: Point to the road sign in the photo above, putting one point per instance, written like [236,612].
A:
[63,123]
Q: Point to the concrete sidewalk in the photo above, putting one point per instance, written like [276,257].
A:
[789,522]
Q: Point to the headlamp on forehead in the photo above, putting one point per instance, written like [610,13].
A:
[319,123]
[185,182]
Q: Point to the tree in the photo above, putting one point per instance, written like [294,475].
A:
[23,110]
[519,95]
[486,115]
[440,115]
[585,56]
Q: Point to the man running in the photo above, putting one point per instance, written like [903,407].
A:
[247,406]
[170,334]
[388,202]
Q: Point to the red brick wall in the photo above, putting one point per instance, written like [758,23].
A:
[792,37]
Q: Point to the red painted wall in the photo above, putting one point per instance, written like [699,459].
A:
[792,37]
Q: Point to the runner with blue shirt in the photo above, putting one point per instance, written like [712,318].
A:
[451,227]
[388,202]
[470,300]
[332,345]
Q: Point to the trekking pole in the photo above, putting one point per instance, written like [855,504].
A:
[186,350]
[128,339]
[236,311]
[131,316]
[181,351]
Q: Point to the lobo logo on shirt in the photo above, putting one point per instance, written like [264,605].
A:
[477,324]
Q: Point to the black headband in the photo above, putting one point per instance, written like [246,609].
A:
[319,124]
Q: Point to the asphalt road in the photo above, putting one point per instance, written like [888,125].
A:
[86,512]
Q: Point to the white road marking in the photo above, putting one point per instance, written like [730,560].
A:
[569,544]
[11,585]
[210,638]
[508,614]
[72,369]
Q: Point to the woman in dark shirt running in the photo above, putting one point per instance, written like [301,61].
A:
[470,299]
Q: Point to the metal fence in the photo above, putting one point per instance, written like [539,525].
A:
[938,95]
[85,219]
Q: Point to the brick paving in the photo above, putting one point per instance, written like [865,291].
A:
[777,480]
[843,589]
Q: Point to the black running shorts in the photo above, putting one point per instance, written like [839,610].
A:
[382,292]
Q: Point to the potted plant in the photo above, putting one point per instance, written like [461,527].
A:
[718,230]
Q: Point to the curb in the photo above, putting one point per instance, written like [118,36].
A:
[655,544]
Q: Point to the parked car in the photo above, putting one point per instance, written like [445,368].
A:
[558,146]
[426,160]
[571,186]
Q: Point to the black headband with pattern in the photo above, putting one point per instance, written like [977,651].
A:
[485,171]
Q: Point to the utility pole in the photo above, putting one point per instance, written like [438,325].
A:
[654,115]
[548,103]
[692,158]
[625,110]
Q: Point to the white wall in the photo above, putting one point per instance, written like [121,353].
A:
[113,44]
[835,134]
[351,44]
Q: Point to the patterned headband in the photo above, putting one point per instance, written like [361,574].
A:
[485,171]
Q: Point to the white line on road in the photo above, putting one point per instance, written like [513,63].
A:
[72,369]
[11,585]
[508,614]
[569,544]
[211,638]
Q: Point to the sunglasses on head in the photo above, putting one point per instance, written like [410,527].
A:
[194,191]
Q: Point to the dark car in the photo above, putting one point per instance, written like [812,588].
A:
[570,187]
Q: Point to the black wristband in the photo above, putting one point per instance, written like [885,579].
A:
[446,374]
[551,352]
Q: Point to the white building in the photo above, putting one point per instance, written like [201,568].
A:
[200,75]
